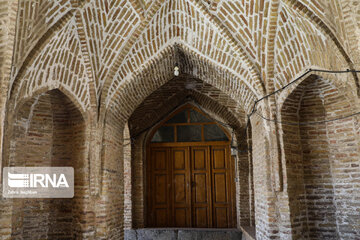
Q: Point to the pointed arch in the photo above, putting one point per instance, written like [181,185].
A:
[135,89]
[216,46]
[47,130]
[64,67]
[314,158]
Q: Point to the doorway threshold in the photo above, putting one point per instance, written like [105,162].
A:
[183,234]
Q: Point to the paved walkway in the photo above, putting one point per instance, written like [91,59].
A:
[182,234]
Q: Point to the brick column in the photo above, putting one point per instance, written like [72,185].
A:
[127,179]
[265,216]
[8,10]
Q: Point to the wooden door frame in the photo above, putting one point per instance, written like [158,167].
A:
[153,130]
[189,145]
[175,144]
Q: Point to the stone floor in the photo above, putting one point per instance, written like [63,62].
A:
[182,234]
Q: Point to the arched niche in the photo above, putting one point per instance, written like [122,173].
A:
[190,172]
[320,155]
[154,108]
[244,190]
[48,130]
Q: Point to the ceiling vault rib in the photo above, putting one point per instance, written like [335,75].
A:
[111,73]
[138,7]
[39,46]
[43,41]
[264,76]
[235,43]
[254,72]
[86,56]
[300,7]
[270,45]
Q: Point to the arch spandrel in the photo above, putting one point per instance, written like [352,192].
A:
[69,73]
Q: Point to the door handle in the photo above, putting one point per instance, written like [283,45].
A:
[193,184]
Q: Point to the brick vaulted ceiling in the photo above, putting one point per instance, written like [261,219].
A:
[95,48]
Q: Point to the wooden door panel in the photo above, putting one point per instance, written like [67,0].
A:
[219,155]
[180,193]
[180,159]
[201,189]
[221,187]
[160,158]
[221,217]
[161,217]
[161,193]
[158,194]
[190,187]
[200,159]
[180,217]
[181,201]
[201,219]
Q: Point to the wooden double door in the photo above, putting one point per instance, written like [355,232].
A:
[190,186]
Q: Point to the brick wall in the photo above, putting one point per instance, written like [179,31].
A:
[265,213]
[115,61]
[138,192]
[320,159]
[109,205]
[128,199]
[7,31]
[165,100]
[48,130]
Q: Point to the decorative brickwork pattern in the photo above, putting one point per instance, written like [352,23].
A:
[161,103]
[34,19]
[84,81]
[138,169]
[57,67]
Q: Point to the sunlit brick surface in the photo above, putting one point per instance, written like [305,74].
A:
[84,81]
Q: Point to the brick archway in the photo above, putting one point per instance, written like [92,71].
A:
[48,130]
[190,173]
[148,113]
[317,170]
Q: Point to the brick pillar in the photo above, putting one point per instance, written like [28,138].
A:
[8,11]
[109,205]
[265,199]
[127,179]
